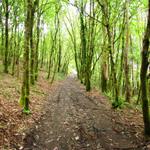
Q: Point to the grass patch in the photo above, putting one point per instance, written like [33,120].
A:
[60,76]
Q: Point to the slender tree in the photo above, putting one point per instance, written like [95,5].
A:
[83,42]
[105,10]
[126,51]
[104,60]
[37,41]
[24,100]
[6,36]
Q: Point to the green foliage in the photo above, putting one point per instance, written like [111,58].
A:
[27,112]
[60,76]
[116,104]
[60,29]
[108,94]
[21,101]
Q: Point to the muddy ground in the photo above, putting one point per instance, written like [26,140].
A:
[77,120]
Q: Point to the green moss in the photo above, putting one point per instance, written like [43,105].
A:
[26,111]
[21,101]
[60,76]
[117,104]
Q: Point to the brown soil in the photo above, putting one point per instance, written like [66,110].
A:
[77,120]
[13,123]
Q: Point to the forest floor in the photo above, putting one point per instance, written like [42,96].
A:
[13,123]
[69,118]
[77,120]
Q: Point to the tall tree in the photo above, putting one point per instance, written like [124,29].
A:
[24,100]
[37,40]
[143,74]
[106,12]
[6,36]
[90,47]
[2,31]
[83,42]
[104,60]
[32,43]
[126,51]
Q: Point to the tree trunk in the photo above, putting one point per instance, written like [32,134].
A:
[2,34]
[110,49]
[42,52]
[90,47]
[59,46]
[37,42]
[14,49]
[126,49]
[24,100]
[18,54]
[83,43]
[143,75]
[104,62]
[6,37]
[32,47]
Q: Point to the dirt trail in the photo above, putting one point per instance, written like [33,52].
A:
[75,121]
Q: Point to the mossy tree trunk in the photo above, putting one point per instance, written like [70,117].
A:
[90,47]
[14,41]
[14,51]
[83,43]
[143,75]
[32,47]
[24,100]
[59,46]
[18,53]
[105,10]
[6,36]
[104,61]
[42,52]
[2,33]
[120,75]
[126,50]
[37,41]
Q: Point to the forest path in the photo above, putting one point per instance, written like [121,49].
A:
[76,121]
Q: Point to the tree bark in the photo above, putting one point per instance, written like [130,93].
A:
[37,42]
[126,49]
[143,75]
[83,42]
[104,62]
[32,47]
[105,11]
[6,36]
[24,100]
